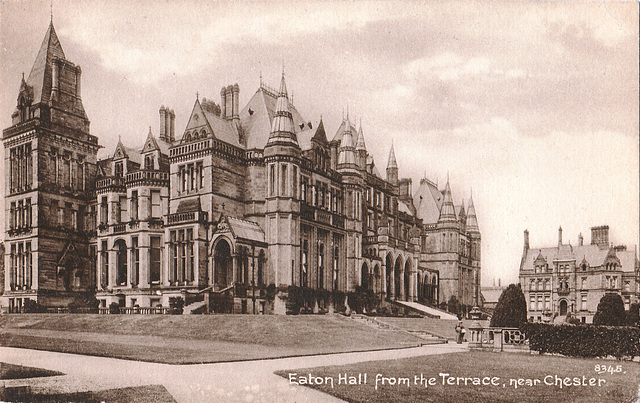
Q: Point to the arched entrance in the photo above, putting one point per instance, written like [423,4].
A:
[398,279]
[407,280]
[222,264]
[364,277]
[121,262]
[388,275]
[563,307]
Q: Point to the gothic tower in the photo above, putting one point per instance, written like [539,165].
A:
[282,159]
[50,170]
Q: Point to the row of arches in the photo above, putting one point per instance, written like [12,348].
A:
[249,267]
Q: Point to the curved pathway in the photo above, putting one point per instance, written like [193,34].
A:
[234,381]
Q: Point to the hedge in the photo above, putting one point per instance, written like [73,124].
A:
[583,340]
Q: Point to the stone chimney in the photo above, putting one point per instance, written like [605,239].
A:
[559,235]
[600,235]
[580,240]
[236,101]
[223,102]
[229,102]
[163,122]
[172,128]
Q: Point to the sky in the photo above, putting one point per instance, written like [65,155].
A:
[532,107]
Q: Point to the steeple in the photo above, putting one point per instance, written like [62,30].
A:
[43,76]
[360,146]
[347,150]
[392,167]
[282,128]
[472,221]
[448,212]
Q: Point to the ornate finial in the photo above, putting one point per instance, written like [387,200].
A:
[51,6]
[260,78]
[23,76]
[197,95]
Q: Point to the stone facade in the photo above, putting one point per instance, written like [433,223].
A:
[242,204]
[570,280]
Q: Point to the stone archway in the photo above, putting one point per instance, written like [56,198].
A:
[408,292]
[398,279]
[563,307]
[389,276]
[365,281]
[223,265]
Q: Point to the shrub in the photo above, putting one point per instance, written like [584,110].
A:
[31,306]
[583,341]
[114,308]
[633,315]
[572,320]
[362,299]
[177,305]
[511,309]
[338,297]
[610,311]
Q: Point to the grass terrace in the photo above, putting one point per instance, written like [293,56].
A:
[186,339]
[515,378]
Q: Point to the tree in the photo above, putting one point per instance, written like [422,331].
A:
[610,311]
[511,309]
[633,315]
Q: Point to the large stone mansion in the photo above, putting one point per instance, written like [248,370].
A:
[243,201]
[570,279]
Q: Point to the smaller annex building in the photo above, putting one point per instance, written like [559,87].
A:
[566,280]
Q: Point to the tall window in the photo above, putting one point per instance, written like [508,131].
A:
[173,271]
[336,252]
[148,162]
[156,210]
[200,172]
[321,266]
[21,168]
[135,261]
[121,262]
[104,269]
[547,302]
[122,206]
[294,180]
[283,180]
[80,174]
[182,178]
[134,205]
[118,169]
[66,170]
[272,180]
[305,262]
[190,255]
[104,211]
[154,260]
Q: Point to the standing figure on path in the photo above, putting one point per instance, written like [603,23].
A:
[459,331]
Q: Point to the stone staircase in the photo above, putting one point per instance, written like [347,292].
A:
[379,323]
[194,308]
[425,310]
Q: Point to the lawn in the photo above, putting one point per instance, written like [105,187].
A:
[141,394]
[182,339]
[500,368]
[11,371]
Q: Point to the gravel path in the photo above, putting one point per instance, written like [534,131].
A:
[234,381]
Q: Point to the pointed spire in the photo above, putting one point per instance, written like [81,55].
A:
[472,221]
[320,135]
[40,77]
[360,146]
[347,150]
[447,212]
[282,129]
[392,158]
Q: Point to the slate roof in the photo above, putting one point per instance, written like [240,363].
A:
[257,124]
[41,72]
[594,255]
[247,230]
[428,201]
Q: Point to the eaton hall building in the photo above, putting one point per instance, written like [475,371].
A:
[570,279]
[227,213]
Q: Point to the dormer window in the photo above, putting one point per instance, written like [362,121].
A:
[23,108]
[118,169]
[149,162]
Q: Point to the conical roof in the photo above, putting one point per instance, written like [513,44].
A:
[320,134]
[360,146]
[392,159]
[347,150]
[472,221]
[41,72]
[282,127]
[448,212]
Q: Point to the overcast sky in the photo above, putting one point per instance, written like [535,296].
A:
[534,106]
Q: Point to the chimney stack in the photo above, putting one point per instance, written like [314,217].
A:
[223,102]
[236,101]
[559,235]
[600,235]
[229,102]
[172,131]
[580,240]
[163,123]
